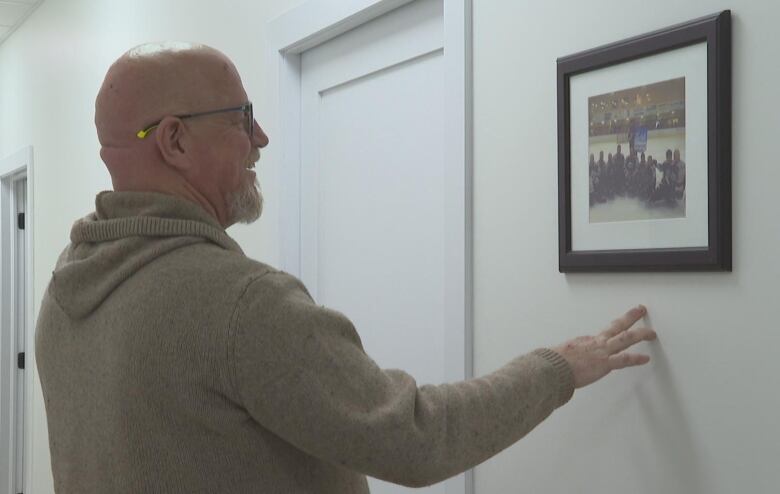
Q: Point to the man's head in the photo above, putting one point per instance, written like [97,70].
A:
[618,148]
[676,155]
[204,158]
[668,155]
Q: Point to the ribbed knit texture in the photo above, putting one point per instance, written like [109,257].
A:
[172,363]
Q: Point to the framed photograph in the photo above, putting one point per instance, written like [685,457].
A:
[644,152]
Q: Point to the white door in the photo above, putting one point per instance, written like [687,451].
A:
[13,324]
[20,302]
[373,188]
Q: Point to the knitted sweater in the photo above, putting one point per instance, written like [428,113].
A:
[172,363]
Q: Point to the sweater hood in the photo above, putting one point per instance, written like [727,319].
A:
[127,231]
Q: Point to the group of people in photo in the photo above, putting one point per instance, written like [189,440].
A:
[654,183]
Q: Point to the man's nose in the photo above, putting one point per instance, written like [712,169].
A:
[259,138]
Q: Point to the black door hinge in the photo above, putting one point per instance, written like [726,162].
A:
[20,360]
[20,220]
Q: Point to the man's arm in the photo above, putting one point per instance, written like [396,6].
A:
[301,372]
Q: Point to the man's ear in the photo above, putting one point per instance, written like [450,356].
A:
[169,135]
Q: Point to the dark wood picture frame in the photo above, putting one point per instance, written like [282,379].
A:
[715,30]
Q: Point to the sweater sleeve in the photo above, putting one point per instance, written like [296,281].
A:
[302,373]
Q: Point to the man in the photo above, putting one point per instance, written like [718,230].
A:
[645,178]
[601,179]
[665,191]
[630,174]
[592,179]
[607,179]
[618,172]
[601,164]
[679,186]
[170,362]
[637,137]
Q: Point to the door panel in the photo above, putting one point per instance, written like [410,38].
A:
[381,218]
[373,188]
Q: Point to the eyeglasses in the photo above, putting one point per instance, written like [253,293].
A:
[249,119]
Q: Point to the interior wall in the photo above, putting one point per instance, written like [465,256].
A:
[702,416]
[50,72]
[699,418]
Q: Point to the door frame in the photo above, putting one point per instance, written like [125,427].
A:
[317,21]
[13,168]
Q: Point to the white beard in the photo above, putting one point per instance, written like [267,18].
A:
[246,204]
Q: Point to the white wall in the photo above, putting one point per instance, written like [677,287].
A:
[50,72]
[702,417]
[698,419]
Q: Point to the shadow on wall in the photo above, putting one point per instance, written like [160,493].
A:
[672,444]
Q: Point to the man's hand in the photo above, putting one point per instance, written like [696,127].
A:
[593,357]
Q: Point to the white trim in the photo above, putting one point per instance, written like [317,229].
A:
[458,299]
[20,165]
[317,21]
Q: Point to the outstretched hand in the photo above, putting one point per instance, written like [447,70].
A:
[593,357]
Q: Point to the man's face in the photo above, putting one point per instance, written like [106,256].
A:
[223,153]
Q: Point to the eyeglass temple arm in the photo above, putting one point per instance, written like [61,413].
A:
[143,133]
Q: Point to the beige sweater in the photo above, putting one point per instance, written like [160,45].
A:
[172,363]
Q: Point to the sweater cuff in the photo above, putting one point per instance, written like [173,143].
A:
[563,371]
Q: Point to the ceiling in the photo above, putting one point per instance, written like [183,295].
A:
[13,13]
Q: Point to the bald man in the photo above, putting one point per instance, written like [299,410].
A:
[170,362]
[203,159]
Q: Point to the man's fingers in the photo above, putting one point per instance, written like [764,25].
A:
[628,338]
[622,360]
[626,321]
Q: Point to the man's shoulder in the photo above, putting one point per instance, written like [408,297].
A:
[217,266]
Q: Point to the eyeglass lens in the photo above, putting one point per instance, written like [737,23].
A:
[250,121]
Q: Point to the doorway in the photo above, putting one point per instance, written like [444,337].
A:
[15,314]
[374,101]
